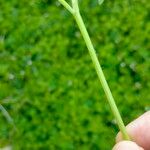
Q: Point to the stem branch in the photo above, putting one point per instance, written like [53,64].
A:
[67,6]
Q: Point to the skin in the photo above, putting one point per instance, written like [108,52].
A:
[139,132]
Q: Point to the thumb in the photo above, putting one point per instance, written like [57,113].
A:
[127,145]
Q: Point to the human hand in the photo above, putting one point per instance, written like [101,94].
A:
[139,131]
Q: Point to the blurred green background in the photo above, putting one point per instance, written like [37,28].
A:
[48,84]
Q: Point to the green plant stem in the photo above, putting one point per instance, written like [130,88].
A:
[98,68]
[67,6]
[100,74]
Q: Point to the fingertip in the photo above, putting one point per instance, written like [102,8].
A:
[118,137]
[127,145]
[138,131]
